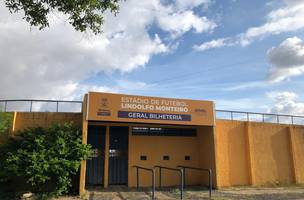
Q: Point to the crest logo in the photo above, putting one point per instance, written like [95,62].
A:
[104,103]
[104,108]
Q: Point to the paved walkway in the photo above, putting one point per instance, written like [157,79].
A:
[238,193]
[127,195]
[235,193]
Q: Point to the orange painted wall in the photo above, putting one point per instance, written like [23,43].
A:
[271,154]
[258,153]
[44,119]
[231,153]
[206,154]
[155,147]
[298,141]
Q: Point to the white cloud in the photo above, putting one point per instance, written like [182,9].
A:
[246,86]
[189,4]
[286,60]
[213,44]
[54,62]
[131,85]
[286,103]
[288,18]
[179,23]
[293,2]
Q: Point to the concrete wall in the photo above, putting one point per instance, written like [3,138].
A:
[24,120]
[258,153]
[297,151]
[231,153]
[240,153]
[271,154]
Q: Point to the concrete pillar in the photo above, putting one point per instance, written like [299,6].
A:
[250,152]
[83,162]
[291,137]
[84,141]
[13,127]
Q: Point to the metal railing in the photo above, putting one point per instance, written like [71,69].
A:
[27,105]
[153,178]
[181,172]
[199,169]
[260,117]
[34,105]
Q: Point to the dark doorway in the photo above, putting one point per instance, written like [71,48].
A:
[118,155]
[95,165]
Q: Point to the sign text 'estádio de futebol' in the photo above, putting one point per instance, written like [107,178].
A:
[129,108]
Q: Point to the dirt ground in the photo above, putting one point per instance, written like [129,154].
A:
[239,193]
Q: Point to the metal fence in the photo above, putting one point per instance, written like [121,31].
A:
[31,105]
[259,117]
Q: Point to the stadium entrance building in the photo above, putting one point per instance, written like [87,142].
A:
[128,132]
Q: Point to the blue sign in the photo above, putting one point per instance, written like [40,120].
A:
[153,116]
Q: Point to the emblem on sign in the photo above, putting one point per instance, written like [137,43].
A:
[104,103]
[104,108]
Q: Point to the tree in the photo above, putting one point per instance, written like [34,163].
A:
[46,158]
[82,14]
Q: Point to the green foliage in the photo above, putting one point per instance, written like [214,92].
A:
[82,14]
[46,158]
[5,122]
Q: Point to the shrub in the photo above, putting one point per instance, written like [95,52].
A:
[5,122]
[46,158]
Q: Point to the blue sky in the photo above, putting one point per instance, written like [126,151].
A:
[228,51]
[217,74]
